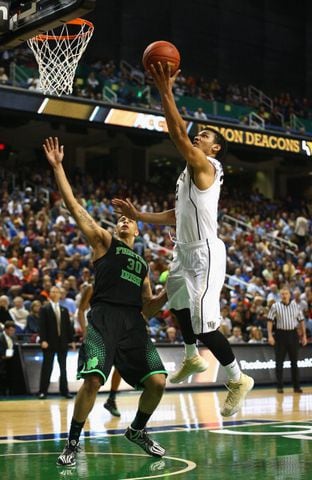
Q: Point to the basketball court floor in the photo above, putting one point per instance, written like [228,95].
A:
[271,438]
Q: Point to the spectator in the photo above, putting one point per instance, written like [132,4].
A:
[200,114]
[273,293]
[255,287]
[6,355]
[48,261]
[4,311]
[4,79]
[158,326]
[75,268]
[263,113]
[289,269]
[260,320]
[10,284]
[86,276]
[32,322]
[33,84]
[171,335]
[46,287]
[275,118]
[256,335]
[68,303]
[19,314]
[236,279]
[267,272]
[236,336]
[139,245]
[301,230]
[70,285]
[29,269]
[77,247]
[184,111]
[17,271]
[31,289]
[92,84]
[3,262]
[226,323]
[302,304]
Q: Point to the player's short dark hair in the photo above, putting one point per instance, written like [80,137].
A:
[9,323]
[219,140]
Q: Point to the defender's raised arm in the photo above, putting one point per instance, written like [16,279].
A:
[99,238]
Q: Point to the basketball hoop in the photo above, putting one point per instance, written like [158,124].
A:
[58,53]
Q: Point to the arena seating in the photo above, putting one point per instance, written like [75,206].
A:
[40,246]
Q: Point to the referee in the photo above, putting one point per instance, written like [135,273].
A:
[287,316]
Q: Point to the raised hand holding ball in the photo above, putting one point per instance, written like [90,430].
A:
[163,52]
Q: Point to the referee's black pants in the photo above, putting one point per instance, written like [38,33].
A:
[287,341]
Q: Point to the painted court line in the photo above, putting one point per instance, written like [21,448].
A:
[189,464]
[120,432]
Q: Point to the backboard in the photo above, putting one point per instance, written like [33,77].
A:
[20,20]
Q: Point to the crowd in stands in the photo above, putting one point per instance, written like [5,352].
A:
[128,84]
[269,245]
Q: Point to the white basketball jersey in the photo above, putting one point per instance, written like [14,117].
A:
[197,210]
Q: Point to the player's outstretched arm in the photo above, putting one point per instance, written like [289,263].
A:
[151,304]
[176,125]
[95,234]
[126,207]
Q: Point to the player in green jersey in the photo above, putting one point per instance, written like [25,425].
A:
[116,333]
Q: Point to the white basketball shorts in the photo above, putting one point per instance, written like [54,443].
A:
[195,281]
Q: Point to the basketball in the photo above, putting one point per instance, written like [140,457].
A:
[163,52]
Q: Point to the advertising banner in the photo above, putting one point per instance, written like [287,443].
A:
[255,360]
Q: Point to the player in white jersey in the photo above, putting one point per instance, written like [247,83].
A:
[198,269]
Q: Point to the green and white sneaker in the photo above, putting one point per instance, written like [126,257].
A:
[68,455]
[141,438]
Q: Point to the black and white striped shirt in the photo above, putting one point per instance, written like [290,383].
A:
[286,316]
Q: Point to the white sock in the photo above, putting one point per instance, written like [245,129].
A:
[233,371]
[190,350]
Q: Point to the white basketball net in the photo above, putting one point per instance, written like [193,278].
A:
[58,54]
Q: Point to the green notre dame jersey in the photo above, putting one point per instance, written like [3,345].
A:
[119,276]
